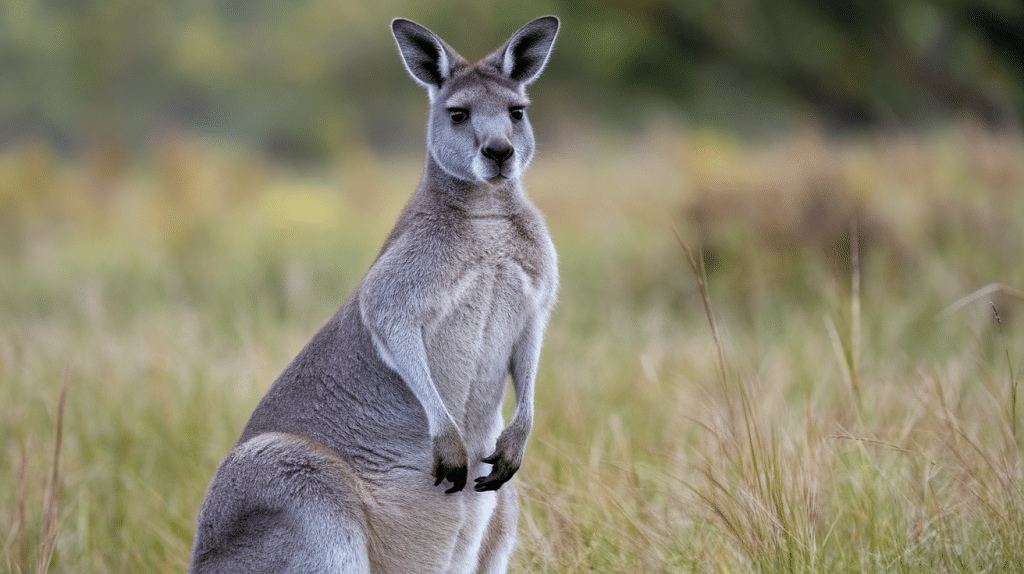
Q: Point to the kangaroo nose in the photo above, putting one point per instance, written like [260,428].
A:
[499,152]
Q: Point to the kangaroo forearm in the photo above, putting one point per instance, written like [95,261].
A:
[401,348]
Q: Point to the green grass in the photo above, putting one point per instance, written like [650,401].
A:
[857,411]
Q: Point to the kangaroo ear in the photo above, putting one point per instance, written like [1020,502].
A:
[526,53]
[430,61]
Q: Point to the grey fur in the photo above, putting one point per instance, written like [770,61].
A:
[340,467]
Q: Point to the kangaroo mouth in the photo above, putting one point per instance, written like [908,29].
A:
[498,174]
[494,172]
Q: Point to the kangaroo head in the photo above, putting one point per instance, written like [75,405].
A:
[478,129]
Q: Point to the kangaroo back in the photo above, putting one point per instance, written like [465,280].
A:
[358,457]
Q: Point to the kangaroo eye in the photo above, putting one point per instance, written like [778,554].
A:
[516,113]
[458,115]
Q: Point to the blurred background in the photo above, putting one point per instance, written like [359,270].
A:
[298,80]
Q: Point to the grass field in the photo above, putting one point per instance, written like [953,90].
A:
[803,402]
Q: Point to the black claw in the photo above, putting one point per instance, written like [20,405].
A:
[485,486]
[458,478]
[501,472]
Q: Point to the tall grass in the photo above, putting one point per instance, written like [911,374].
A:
[777,357]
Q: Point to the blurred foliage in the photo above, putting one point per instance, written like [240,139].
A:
[300,79]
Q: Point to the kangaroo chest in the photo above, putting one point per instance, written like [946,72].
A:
[492,282]
[489,283]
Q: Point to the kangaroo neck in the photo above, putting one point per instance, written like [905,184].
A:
[473,197]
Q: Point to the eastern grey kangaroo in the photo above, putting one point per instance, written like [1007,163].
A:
[340,468]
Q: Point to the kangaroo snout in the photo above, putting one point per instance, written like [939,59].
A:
[499,151]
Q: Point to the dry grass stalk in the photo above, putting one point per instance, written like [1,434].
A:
[748,491]
[699,276]
[1012,408]
[855,326]
[22,466]
[987,290]
[49,526]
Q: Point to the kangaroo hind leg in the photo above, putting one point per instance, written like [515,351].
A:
[281,503]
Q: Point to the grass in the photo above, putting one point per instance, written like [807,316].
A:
[825,382]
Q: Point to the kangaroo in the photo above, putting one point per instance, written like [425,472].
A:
[357,458]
